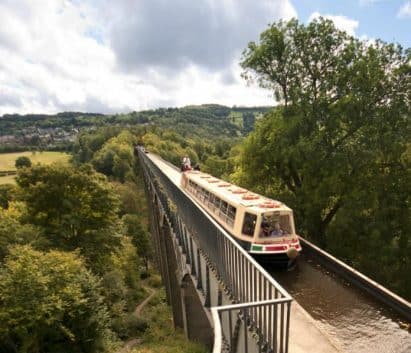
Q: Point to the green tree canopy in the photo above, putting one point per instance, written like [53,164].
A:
[7,192]
[116,157]
[49,302]
[139,237]
[336,148]
[74,207]
[346,108]
[23,161]
[89,142]
[12,232]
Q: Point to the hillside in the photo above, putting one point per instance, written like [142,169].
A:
[57,132]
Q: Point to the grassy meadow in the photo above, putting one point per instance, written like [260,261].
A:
[7,161]
[8,179]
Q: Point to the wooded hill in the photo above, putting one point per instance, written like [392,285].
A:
[232,121]
[58,132]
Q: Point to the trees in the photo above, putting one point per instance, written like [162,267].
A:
[336,147]
[248,122]
[50,303]
[12,232]
[88,143]
[139,237]
[74,207]
[6,194]
[22,162]
[116,156]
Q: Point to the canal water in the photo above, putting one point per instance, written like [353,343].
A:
[356,321]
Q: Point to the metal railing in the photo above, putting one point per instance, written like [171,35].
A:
[267,313]
[258,313]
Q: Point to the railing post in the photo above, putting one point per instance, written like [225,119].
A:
[282,330]
[207,302]
[192,258]
[245,332]
[219,296]
[200,272]
[166,265]
[188,255]
[288,326]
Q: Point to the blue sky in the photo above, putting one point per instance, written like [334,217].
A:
[118,56]
[376,18]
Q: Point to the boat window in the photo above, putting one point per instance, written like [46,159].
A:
[222,213]
[195,188]
[285,224]
[223,207]
[201,194]
[274,224]
[211,199]
[206,196]
[231,215]
[217,202]
[249,224]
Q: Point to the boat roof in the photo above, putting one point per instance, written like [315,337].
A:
[235,194]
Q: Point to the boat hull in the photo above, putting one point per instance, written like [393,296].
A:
[280,261]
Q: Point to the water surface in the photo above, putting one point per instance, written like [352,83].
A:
[355,320]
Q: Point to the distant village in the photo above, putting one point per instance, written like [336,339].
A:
[34,136]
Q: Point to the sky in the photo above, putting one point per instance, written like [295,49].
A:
[107,56]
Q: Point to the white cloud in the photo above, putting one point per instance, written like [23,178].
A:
[194,82]
[405,10]
[66,55]
[51,65]
[172,35]
[341,22]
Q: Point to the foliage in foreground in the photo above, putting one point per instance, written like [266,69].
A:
[49,302]
[73,250]
[75,208]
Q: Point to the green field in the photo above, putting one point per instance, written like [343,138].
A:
[9,179]
[7,161]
